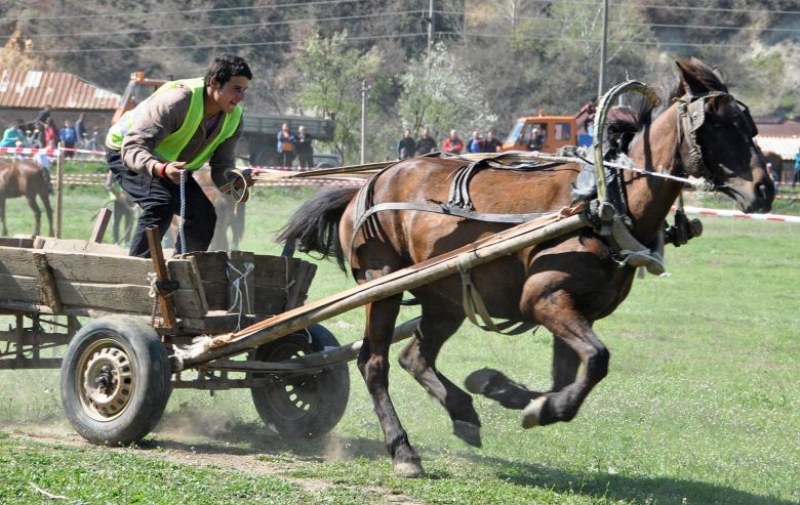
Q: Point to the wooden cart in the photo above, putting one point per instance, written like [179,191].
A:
[109,323]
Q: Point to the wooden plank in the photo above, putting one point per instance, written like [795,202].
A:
[211,268]
[15,261]
[157,255]
[67,245]
[301,276]
[188,300]
[270,300]
[26,242]
[272,271]
[100,225]
[47,283]
[115,297]
[19,288]
[99,268]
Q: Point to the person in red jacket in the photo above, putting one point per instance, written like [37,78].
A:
[452,144]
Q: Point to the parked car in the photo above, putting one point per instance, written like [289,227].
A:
[327,160]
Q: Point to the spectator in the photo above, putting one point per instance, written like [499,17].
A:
[453,144]
[42,117]
[50,134]
[475,143]
[69,137]
[490,143]
[305,151]
[425,144]
[80,130]
[154,158]
[286,145]
[586,114]
[12,134]
[796,177]
[406,147]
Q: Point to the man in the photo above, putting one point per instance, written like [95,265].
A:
[173,133]
[406,147]
[453,143]
[305,150]
[490,143]
[425,144]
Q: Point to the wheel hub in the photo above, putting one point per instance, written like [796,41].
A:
[107,382]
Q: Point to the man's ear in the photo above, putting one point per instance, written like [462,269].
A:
[213,83]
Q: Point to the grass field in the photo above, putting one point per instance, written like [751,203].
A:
[701,404]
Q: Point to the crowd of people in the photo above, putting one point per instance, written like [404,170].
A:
[291,146]
[44,133]
[408,147]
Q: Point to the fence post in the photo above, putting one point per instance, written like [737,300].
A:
[59,187]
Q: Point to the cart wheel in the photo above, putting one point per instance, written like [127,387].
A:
[115,380]
[301,406]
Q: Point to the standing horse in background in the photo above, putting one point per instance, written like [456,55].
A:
[229,216]
[25,178]
[410,212]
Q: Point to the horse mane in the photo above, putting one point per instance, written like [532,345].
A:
[701,75]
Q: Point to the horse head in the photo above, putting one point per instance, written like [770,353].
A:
[716,139]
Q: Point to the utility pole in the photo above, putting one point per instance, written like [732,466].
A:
[364,89]
[430,27]
[602,77]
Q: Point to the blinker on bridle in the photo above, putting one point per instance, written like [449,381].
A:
[691,116]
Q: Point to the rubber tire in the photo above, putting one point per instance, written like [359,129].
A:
[321,397]
[139,351]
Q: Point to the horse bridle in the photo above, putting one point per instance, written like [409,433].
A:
[691,116]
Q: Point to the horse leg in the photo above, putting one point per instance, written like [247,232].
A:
[576,333]
[419,359]
[3,214]
[373,363]
[37,214]
[48,211]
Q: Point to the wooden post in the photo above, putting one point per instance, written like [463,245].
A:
[59,187]
[157,255]
[100,225]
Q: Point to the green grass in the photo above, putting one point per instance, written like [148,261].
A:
[701,404]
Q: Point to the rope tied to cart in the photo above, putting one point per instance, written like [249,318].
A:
[238,278]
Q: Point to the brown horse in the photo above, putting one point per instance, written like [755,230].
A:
[25,178]
[564,284]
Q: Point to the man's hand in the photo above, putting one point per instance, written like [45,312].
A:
[172,171]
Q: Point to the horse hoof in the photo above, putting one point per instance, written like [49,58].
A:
[468,432]
[478,381]
[532,413]
[409,469]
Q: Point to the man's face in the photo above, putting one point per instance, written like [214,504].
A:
[230,94]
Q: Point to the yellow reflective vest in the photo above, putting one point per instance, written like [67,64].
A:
[173,144]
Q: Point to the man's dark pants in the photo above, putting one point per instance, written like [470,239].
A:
[160,200]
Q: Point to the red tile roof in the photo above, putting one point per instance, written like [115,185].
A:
[33,89]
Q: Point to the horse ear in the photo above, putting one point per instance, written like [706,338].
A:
[691,85]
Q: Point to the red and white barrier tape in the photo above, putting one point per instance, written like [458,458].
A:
[741,215]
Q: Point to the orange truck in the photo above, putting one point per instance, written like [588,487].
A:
[542,133]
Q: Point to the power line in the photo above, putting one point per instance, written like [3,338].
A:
[194,28]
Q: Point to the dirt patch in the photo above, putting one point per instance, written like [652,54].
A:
[235,447]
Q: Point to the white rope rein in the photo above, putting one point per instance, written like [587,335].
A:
[181,234]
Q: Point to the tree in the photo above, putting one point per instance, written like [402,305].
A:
[439,94]
[332,85]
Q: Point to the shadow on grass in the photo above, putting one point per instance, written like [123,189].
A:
[620,487]
[209,435]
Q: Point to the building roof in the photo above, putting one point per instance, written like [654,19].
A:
[785,147]
[33,89]
[778,127]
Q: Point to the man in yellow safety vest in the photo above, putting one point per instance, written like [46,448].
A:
[153,149]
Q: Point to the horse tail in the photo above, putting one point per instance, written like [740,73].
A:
[314,227]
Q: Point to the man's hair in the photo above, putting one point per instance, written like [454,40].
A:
[225,67]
